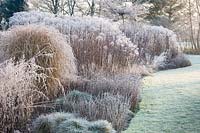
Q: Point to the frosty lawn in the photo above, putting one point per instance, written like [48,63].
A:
[171,102]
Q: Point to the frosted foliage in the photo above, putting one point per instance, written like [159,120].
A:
[96,42]
[69,123]
[42,43]
[114,108]
[50,121]
[125,8]
[151,40]
[17,93]
[160,60]
[101,126]
[69,25]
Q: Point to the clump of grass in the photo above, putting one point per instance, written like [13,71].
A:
[73,126]
[69,123]
[49,123]
[123,84]
[72,99]
[165,61]
[18,93]
[99,51]
[113,98]
[151,40]
[113,108]
[181,61]
[50,51]
[101,126]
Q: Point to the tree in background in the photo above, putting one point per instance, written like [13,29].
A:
[156,8]
[164,12]
[52,5]
[193,7]
[91,4]
[124,9]
[9,7]
[120,8]
[55,6]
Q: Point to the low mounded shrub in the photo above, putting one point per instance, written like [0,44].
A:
[181,61]
[73,126]
[78,96]
[165,61]
[69,123]
[100,126]
[49,123]
[72,99]
[49,49]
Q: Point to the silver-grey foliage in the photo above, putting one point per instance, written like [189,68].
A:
[68,123]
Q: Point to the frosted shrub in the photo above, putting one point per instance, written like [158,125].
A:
[164,61]
[83,126]
[49,123]
[73,126]
[18,93]
[101,126]
[113,108]
[151,40]
[125,85]
[113,98]
[69,123]
[66,24]
[181,61]
[160,61]
[98,43]
[72,98]
[50,51]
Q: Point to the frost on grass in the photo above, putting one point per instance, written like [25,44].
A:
[49,49]
[151,40]
[105,106]
[156,45]
[69,123]
[49,123]
[72,25]
[123,84]
[97,42]
[18,93]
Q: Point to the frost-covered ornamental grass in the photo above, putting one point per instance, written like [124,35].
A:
[106,106]
[49,49]
[151,40]
[98,43]
[157,46]
[126,85]
[49,123]
[18,93]
[69,123]
[163,61]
